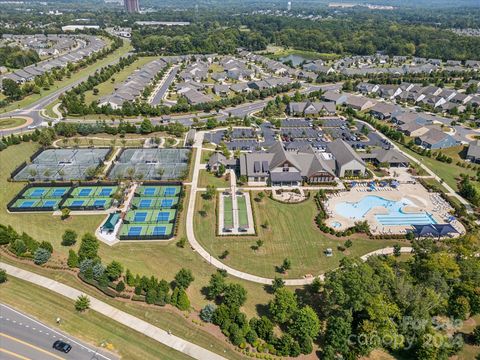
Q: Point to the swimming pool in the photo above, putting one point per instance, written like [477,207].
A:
[395,216]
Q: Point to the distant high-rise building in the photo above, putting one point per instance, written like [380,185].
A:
[289,6]
[131,6]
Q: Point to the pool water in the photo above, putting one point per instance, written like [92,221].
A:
[395,216]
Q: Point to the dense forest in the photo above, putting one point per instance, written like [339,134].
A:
[360,35]
[16,57]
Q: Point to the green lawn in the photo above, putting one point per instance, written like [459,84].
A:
[207,178]
[157,258]
[90,326]
[448,172]
[242,211]
[49,109]
[107,87]
[67,81]
[291,233]
[227,211]
[11,123]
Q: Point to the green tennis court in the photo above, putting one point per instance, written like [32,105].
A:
[151,216]
[158,191]
[45,192]
[139,231]
[227,212]
[82,203]
[242,211]
[154,202]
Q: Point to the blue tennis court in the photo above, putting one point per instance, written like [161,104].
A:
[98,203]
[37,192]
[167,202]
[145,203]
[159,230]
[105,192]
[149,191]
[140,217]
[27,203]
[58,192]
[170,191]
[135,231]
[84,192]
[49,203]
[163,216]
[77,202]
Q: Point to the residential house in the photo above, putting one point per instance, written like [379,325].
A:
[217,159]
[311,108]
[359,103]
[436,139]
[473,153]
[383,111]
[335,97]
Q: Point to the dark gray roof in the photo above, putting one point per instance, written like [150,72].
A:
[288,176]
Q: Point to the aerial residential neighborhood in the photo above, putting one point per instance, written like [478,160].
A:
[239,179]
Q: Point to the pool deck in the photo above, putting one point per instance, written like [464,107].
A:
[423,201]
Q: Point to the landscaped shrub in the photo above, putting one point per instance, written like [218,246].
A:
[120,286]
[41,256]
[207,312]
[3,276]
[69,238]
[72,260]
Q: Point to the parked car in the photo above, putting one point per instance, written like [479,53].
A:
[62,346]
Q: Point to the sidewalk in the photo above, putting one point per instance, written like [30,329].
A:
[122,317]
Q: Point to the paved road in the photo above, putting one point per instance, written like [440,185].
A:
[21,336]
[113,313]
[164,88]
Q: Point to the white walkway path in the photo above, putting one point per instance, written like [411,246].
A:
[122,317]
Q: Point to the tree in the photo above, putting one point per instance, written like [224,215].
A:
[396,250]
[82,303]
[216,286]
[69,237]
[277,283]
[120,286]
[221,170]
[46,245]
[11,89]
[3,276]
[206,314]
[181,243]
[263,327]
[65,213]
[114,270]
[41,256]
[88,247]
[475,335]
[146,126]
[210,193]
[286,265]
[315,286]
[283,305]
[72,260]
[180,299]
[459,307]
[234,296]
[305,323]
[224,254]
[184,278]
[337,336]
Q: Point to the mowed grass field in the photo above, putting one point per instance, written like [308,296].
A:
[107,87]
[206,178]
[161,259]
[448,172]
[90,326]
[11,123]
[291,233]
